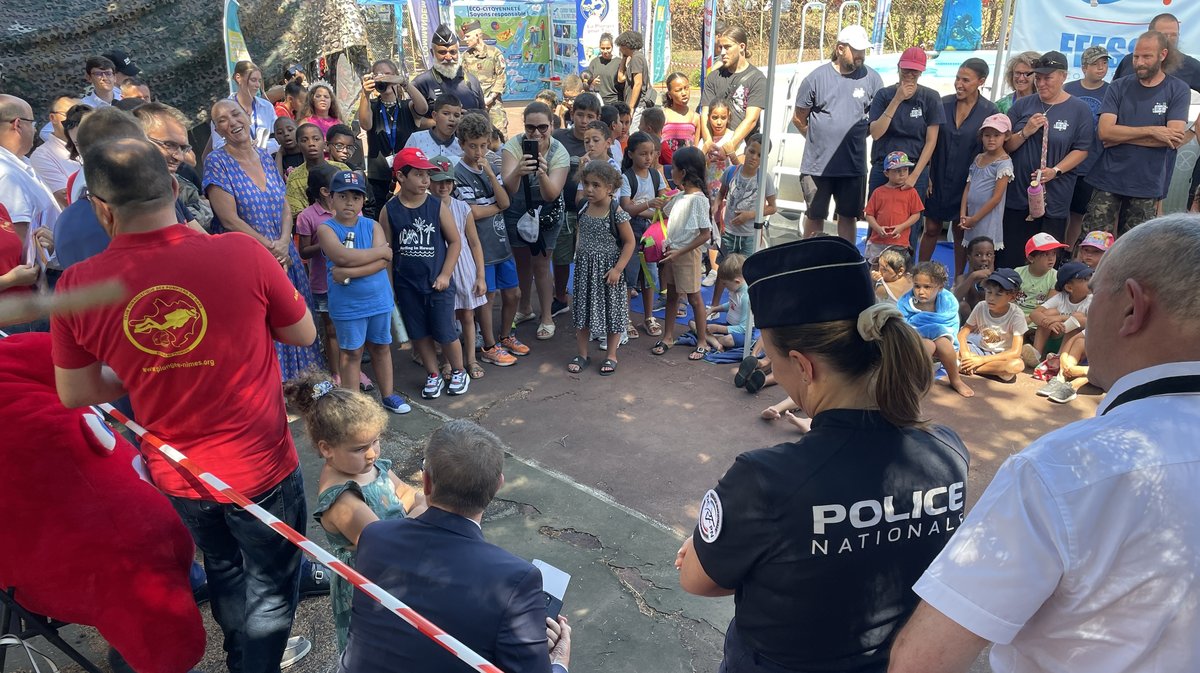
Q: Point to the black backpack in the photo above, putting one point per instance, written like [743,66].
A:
[612,219]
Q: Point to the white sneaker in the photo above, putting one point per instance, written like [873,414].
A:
[604,341]
[297,648]
[710,278]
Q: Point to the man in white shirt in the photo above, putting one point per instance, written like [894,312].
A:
[52,160]
[1084,552]
[101,74]
[30,204]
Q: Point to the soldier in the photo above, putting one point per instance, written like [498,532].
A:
[488,64]
[447,74]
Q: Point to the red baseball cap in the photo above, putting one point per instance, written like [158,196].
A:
[1041,243]
[412,157]
[913,58]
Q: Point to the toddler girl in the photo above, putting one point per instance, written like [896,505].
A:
[356,486]
[321,108]
[892,280]
[933,311]
[983,198]
[600,305]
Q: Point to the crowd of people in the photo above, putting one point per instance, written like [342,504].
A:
[602,197]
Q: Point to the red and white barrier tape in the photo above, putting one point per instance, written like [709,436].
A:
[426,627]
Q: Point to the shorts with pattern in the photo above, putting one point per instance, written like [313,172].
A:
[1117,214]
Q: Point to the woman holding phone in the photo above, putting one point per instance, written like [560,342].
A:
[388,120]
[534,170]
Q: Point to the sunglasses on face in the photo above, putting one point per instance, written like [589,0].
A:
[531,129]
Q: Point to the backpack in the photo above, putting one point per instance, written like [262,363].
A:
[633,181]
[612,218]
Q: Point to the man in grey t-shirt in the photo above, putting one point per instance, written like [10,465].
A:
[831,112]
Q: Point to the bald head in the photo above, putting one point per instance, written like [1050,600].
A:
[104,125]
[16,131]
[1138,255]
[129,176]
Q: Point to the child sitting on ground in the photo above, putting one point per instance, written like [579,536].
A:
[1093,246]
[968,287]
[892,210]
[357,486]
[892,279]
[992,337]
[933,311]
[732,332]
[1038,277]
[425,246]
[1063,315]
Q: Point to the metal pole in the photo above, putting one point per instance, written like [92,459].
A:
[1001,51]
[763,173]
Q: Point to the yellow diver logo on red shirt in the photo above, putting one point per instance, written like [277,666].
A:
[165,320]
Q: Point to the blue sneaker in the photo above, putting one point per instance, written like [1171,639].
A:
[396,404]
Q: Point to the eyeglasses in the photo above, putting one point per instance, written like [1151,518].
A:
[18,119]
[342,147]
[172,147]
[62,113]
[543,129]
[105,74]
[1022,74]
[93,197]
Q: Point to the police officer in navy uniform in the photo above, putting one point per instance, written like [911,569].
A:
[446,74]
[821,540]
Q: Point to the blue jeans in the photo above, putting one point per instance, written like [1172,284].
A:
[877,178]
[253,572]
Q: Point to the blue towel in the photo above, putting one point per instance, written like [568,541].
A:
[933,324]
[725,357]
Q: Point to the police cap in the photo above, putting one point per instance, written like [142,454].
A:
[810,281]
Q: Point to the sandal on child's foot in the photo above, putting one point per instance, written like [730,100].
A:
[653,328]
[475,370]
[698,354]
[661,347]
[631,331]
[578,364]
[608,368]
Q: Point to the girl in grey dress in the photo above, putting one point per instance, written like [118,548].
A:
[987,182]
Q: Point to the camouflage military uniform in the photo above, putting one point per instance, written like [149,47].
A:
[1117,214]
[487,63]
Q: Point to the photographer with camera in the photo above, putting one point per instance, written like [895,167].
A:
[388,120]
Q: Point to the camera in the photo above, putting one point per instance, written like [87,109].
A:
[381,86]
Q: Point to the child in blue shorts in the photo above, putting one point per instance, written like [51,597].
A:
[425,247]
[360,303]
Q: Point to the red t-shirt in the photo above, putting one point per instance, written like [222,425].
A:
[890,206]
[11,252]
[193,346]
[282,110]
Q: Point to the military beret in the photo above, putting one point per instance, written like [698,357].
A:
[810,281]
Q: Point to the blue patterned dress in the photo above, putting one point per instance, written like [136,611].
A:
[263,211]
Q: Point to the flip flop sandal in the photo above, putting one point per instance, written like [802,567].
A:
[578,364]
[446,371]
[749,364]
[755,381]
[661,347]
[681,312]
[608,368]
[653,328]
[545,332]
[698,354]
[475,370]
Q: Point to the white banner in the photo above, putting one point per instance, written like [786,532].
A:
[1070,26]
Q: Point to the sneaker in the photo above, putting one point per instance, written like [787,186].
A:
[710,278]
[1063,392]
[1045,390]
[514,345]
[459,382]
[1030,356]
[297,648]
[522,317]
[434,385]
[396,404]
[559,307]
[604,341]
[498,356]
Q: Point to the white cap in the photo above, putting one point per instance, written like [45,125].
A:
[855,36]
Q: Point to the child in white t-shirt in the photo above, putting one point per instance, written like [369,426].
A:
[1065,314]
[993,334]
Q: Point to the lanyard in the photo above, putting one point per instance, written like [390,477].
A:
[390,129]
[1172,385]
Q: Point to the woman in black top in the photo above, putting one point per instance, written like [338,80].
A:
[388,120]
[821,540]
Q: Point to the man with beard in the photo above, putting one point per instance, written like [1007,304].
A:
[487,64]
[604,71]
[448,76]
[741,85]
[1142,122]
[831,112]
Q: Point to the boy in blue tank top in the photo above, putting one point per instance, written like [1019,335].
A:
[360,304]
[425,247]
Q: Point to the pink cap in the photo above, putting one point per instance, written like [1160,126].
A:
[913,58]
[1101,240]
[998,121]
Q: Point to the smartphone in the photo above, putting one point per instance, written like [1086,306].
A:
[530,147]
[554,587]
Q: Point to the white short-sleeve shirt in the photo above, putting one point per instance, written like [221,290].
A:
[1084,552]
[1062,303]
[689,214]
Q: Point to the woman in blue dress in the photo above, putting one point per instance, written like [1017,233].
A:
[247,196]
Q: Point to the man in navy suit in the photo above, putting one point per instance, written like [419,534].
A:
[440,565]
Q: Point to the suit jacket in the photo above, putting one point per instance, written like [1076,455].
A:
[440,565]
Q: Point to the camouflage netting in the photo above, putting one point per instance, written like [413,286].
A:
[177,43]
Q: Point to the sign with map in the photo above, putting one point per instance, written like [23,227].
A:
[521,31]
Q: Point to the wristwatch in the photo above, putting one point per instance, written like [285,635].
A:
[1057,171]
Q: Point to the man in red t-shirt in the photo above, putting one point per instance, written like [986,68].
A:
[192,345]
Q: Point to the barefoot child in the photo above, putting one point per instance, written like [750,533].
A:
[982,210]
[356,487]
[360,304]
[470,285]
[992,337]
[426,246]
[893,279]
[933,311]
[688,230]
[600,304]
[892,209]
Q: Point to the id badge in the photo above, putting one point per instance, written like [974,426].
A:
[389,159]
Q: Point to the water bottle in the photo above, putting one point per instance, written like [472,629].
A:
[349,243]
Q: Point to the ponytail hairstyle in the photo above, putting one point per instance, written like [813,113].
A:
[670,79]
[879,347]
[319,177]
[331,413]
[935,270]
[634,140]
[688,167]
